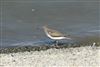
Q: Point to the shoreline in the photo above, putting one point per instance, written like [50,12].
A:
[85,53]
[46,47]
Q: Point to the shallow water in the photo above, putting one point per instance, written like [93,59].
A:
[22,20]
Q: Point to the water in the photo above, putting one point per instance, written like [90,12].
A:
[22,20]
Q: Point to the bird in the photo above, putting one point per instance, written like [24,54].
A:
[54,34]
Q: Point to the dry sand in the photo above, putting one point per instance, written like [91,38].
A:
[65,57]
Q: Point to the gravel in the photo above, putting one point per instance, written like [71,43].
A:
[64,57]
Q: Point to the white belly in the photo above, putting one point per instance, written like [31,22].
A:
[56,38]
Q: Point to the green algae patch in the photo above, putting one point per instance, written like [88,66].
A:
[23,49]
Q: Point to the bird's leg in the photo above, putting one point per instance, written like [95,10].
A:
[57,43]
[54,44]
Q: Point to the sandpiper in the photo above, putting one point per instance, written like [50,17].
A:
[54,34]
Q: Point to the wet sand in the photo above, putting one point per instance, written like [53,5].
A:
[64,57]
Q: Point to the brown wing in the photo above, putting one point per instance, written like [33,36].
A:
[54,33]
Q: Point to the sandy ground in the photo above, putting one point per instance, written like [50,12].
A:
[65,57]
